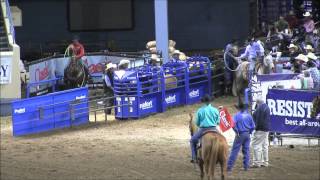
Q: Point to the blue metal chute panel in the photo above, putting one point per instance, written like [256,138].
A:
[126,107]
[199,78]
[63,101]
[28,119]
[148,104]
[175,83]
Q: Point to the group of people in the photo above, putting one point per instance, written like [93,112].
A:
[207,119]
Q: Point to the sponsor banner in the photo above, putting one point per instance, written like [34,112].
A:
[290,112]
[226,121]
[55,67]
[5,69]
[287,81]
[41,72]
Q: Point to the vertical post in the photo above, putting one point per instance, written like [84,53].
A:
[161,28]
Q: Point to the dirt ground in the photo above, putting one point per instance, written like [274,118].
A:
[156,147]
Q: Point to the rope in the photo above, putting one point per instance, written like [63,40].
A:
[225,62]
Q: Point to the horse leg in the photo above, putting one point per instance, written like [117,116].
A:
[200,163]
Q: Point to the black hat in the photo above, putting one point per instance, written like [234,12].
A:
[206,99]
[241,106]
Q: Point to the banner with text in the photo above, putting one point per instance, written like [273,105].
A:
[5,69]
[291,111]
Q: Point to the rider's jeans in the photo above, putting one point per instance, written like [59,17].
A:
[195,138]
[252,64]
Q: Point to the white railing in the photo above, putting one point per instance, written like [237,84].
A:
[5,6]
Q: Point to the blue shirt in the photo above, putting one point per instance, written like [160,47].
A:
[207,116]
[243,122]
[253,50]
[315,74]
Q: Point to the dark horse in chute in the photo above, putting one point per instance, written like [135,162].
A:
[75,75]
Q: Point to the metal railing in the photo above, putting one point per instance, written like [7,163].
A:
[9,16]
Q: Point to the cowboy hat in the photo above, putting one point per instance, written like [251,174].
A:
[312,56]
[176,52]
[124,61]
[292,46]
[308,47]
[302,57]
[307,14]
[110,65]
[182,57]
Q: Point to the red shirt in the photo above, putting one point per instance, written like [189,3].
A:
[77,50]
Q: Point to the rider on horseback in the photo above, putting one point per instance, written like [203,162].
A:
[254,51]
[207,118]
[78,52]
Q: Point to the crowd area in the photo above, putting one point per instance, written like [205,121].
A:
[291,37]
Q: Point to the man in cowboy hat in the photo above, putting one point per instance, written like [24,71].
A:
[108,85]
[308,48]
[300,59]
[244,126]
[124,64]
[293,53]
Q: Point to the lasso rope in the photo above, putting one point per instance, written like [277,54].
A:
[225,61]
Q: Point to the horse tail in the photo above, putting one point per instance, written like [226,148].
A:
[210,154]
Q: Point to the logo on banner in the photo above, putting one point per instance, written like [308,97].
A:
[20,111]
[80,97]
[171,99]
[194,93]
[146,105]
[41,74]
[226,120]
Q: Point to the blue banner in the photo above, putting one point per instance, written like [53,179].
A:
[291,111]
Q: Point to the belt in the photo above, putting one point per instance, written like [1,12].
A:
[209,127]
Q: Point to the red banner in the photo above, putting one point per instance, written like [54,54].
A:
[226,121]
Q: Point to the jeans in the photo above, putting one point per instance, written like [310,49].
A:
[243,140]
[252,65]
[260,148]
[195,139]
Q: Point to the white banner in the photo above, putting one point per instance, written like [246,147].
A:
[5,69]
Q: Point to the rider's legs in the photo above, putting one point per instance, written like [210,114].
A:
[194,141]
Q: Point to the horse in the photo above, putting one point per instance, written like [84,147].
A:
[75,75]
[213,150]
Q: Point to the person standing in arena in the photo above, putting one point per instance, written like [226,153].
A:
[244,126]
[261,118]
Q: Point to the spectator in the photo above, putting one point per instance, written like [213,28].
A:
[308,49]
[315,74]
[293,53]
[306,80]
[124,64]
[299,60]
[292,20]
[308,25]
[261,118]
[281,24]
[244,126]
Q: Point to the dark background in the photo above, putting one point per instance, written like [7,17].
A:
[194,24]
[201,24]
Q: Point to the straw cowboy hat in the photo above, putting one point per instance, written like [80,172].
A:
[110,65]
[124,61]
[182,57]
[312,56]
[302,57]
[308,47]
[155,57]
[176,52]
[307,14]
[292,46]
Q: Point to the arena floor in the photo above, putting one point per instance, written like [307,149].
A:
[155,147]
